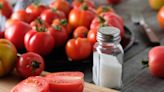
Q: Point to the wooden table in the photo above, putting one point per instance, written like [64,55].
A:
[7,83]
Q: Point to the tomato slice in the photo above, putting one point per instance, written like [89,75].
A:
[32,84]
[66,81]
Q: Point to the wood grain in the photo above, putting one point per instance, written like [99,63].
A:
[8,82]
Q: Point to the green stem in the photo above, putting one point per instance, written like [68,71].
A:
[64,22]
[84,7]
[101,19]
[81,1]
[1,5]
[145,63]
[56,27]
[35,65]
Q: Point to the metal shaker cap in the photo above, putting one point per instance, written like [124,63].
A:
[108,34]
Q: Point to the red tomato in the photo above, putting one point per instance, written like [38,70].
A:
[5,8]
[22,15]
[92,37]
[50,14]
[10,22]
[80,31]
[39,41]
[64,23]
[30,64]
[66,82]
[81,17]
[35,10]
[62,5]
[114,1]
[32,84]
[59,33]
[79,3]
[78,49]
[156,61]
[160,17]
[16,32]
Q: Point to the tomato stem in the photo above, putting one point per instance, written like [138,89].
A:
[57,27]
[54,9]
[35,65]
[40,21]
[106,9]
[1,5]
[101,19]
[64,22]
[81,1]
[84,7]
[145,63]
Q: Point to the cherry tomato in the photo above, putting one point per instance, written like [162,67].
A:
[156,61]
[35,10]
[16,32]
[78,49]
[50,14]
[81,17]
[79,3]
[22,15]
[59,33]
[30,64]
[32,84]
[160,17]
[66,81]
[39,41]
[5,8]
[92,37]
[62,5]
[64,23]
[80,31]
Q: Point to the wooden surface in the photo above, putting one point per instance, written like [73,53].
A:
[7,83]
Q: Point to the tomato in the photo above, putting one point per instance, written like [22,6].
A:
[160,17]
[81,17]
[64,23]
[5,8]
[8,57]
[62,5]
[92,37]
[114,1]
[80,31]
[66,81]
[10,22]
[16,32]
[156,61]
[30,64]
[78,49]
[22,15]
[108,19]
[39,41]
[50,14]
[102,9]
[38,23]
[32,84]
[79,3]
[59,33]
[35,10]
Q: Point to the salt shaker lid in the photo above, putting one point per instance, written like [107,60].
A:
[108,34]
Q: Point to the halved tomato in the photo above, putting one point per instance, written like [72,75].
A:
[66,81]
[32,84]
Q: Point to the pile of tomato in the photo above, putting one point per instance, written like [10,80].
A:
[40,28]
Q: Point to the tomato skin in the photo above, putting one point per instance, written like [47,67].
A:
[50,14]
[22,15]
[62,5]
[102,9]
[80,31]
[36,84]
[6,8]
[66,81]
[34,62]
[160,17]
[79,3]
[39,23]
[156,61]
[35,10]
[59,33]
[8,54]
[80,17]
[16,32]
[39,42]
[92,37]
[78,49]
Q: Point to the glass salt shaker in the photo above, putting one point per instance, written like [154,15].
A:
[108,58]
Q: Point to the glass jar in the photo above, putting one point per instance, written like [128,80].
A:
[108,58]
